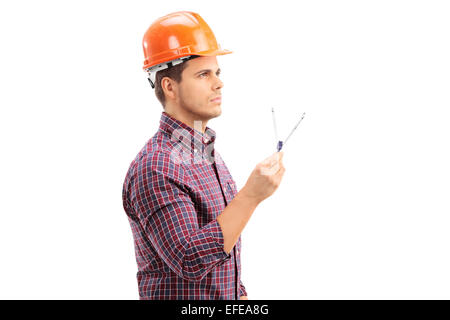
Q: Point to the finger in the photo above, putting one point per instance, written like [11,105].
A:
[278,159]
[280,173]
[271,158]
[270,169]
[270,161]
[277,168]
[281,167]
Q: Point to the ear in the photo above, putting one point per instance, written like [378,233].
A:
[169,87]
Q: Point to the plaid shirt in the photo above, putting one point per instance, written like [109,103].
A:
[173,192]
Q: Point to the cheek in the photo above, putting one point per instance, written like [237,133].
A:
[196,93]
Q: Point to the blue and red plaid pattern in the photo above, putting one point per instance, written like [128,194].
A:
[172,194]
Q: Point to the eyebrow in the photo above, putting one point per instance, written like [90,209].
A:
[207,70]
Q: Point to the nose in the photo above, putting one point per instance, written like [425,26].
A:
[218,84]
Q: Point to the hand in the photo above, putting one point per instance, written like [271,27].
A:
[243,298]
[265,178]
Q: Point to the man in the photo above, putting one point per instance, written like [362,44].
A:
[182,203]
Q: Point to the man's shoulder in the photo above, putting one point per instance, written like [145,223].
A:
[157,158]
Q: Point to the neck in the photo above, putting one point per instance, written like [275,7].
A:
[187,118]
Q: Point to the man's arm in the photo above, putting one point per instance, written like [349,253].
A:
[262,183]
[234,218]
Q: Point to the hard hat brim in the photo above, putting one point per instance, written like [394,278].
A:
[208,53]
[213,53]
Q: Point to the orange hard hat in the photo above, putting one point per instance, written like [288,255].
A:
[177,35]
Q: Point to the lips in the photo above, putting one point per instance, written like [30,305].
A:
[217,99]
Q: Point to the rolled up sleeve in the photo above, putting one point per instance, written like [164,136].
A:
[167,213]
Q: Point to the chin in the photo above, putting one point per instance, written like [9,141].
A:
[209,113]
[217,111]
[212,111]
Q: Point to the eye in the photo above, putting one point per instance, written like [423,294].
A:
[204,74]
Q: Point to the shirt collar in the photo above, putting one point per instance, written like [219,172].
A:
[186,134]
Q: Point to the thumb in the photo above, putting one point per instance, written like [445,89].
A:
[270,159]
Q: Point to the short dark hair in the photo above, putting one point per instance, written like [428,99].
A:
[173,73]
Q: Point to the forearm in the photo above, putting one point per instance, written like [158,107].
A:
[234,218]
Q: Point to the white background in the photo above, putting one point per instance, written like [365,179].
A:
[363,209]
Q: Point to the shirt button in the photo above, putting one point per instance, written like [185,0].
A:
[195,150]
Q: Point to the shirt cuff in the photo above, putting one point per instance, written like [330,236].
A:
[216,247]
